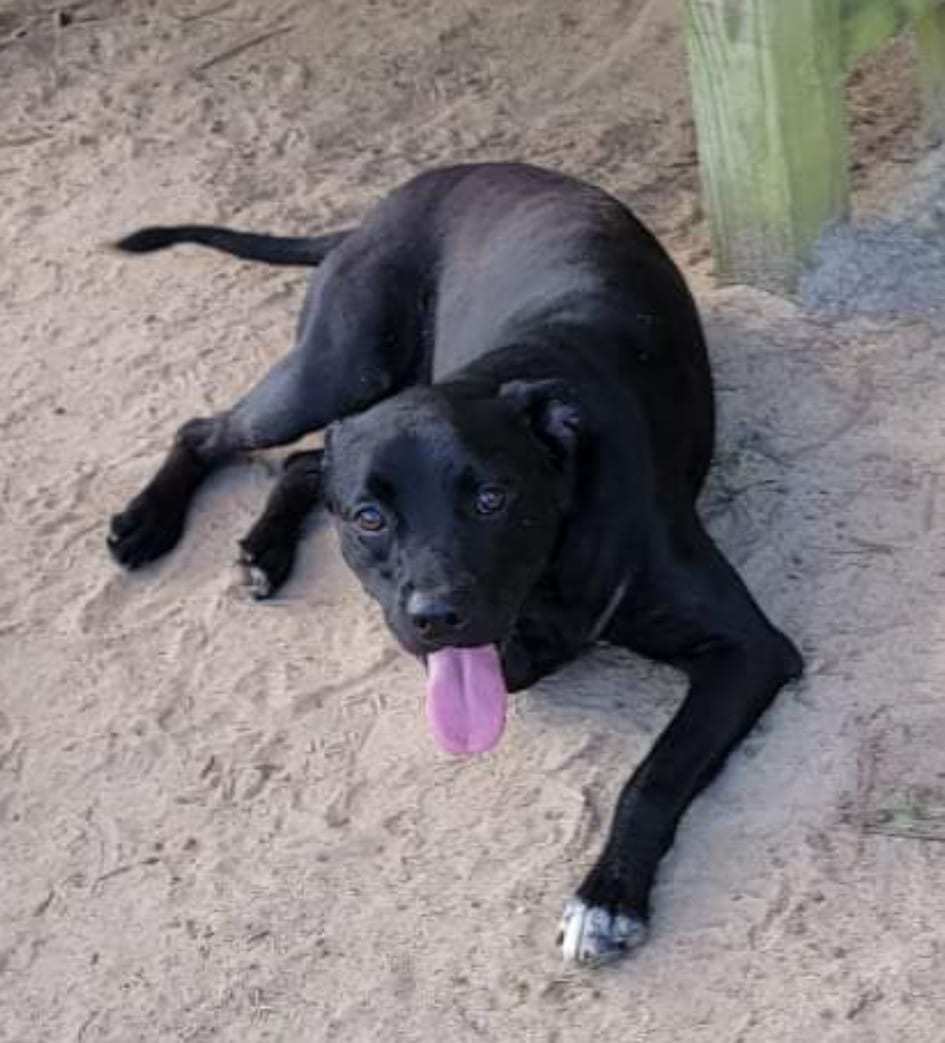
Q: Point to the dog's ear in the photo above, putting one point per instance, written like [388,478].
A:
[549,409]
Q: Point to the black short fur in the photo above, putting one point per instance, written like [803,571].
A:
[521,418]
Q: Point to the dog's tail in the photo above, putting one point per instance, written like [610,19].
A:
[249,245]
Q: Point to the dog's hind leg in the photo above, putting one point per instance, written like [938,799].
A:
[697,615]
[351,350]
[303,392]
[267,552]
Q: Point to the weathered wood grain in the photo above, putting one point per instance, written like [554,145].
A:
[767,80]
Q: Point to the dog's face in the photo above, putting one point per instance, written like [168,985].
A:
[449,508]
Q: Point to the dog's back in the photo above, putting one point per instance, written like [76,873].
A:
[524,255]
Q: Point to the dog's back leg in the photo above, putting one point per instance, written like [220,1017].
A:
[297,396]
[352,351]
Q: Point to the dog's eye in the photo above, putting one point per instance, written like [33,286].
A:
[369,519]
[490,499]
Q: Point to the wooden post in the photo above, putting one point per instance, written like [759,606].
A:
[767,80]
[930,37]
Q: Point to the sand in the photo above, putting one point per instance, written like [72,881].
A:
[226,821]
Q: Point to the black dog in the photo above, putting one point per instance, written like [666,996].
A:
[528,419]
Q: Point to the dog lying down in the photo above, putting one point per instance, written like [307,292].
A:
[518,416]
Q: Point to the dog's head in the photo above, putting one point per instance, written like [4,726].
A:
[449,507]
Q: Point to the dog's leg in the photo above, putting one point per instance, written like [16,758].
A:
[273,413]
[703,620]
[299,394]
[267,552]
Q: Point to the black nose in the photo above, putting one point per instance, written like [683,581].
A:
[434,616]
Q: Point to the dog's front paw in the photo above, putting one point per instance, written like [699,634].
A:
[265,568]
[592,934]
[145,530]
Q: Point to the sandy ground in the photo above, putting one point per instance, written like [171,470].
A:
[222,821]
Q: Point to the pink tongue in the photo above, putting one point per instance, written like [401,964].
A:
[466,698]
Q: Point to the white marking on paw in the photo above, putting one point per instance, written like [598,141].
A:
[256,581]
[592,935]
